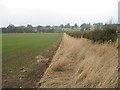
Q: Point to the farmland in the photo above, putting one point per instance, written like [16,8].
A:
[19,52]
[26,58]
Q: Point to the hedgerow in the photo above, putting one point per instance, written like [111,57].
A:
[108,33]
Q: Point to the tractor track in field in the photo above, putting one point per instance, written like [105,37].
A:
[45,64]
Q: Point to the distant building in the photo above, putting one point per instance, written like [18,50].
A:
[119,12]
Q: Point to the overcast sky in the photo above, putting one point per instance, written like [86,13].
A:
[56,12]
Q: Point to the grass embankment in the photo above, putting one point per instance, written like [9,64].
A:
[80,63]
[118,35]
[19,53]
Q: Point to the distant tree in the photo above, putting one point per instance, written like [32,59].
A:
[29,29]
[85,27]
[48,26]
[29,26]
[72,27]
[11,28]
[20,29]
[98,25]
[67,25]
[39,28]
[75,26]
[110,21]
[61,26]
[4,30]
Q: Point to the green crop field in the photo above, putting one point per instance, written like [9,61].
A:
[20,50]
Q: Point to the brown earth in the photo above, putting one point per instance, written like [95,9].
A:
[37,69]
[79,63]
[30,74]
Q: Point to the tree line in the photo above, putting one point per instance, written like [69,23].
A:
[53,29]
[38,29]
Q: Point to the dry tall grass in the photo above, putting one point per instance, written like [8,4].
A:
[79,63]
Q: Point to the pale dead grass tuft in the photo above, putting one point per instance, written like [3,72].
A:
[41,58]
[79,63]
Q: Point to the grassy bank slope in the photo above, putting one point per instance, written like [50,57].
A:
[79,63]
